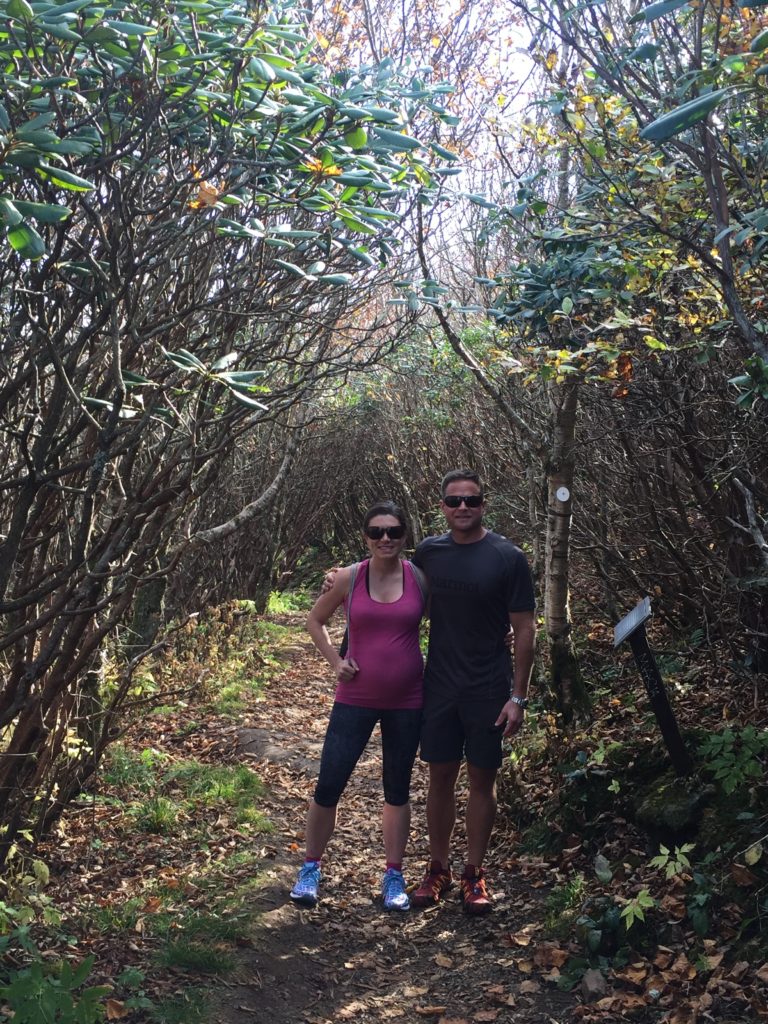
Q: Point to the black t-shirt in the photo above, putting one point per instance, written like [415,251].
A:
[473,587]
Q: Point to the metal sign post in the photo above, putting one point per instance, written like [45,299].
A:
[632,628]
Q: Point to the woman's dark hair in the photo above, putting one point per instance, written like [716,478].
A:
[385,508]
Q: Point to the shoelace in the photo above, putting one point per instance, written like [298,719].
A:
[476,886]
[393,885]
[308,877]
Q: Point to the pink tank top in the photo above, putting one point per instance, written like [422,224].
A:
[384,641]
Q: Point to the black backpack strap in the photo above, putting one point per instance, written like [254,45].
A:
[421,581]
[352,577]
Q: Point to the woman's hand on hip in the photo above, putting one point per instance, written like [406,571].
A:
[347,670]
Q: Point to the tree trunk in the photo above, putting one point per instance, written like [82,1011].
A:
[566,680]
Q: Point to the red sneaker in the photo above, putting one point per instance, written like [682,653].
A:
[474,894]
[436,881]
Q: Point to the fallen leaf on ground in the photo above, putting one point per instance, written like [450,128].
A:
[442,960]
[714,960]
[738,970]
[633,974]
[742,875]
[754,853]
[549,955]
[527,987]
[673,906]
[683,968]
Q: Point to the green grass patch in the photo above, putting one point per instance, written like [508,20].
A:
[157,815]
[282,601]
[223,927]
[209,785]
[563,905]
[198,957]
[241,675]
[116,917]
[189,1008]
[236,686]
[127,769]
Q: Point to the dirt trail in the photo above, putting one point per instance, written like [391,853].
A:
[347,959]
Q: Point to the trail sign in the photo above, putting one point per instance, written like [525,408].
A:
[632,628]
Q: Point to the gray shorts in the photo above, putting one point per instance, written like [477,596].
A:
[456,729]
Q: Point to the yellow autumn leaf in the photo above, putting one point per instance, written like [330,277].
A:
[207,195]
[754,853]
[316,166]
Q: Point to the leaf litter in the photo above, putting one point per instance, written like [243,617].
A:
[347,959]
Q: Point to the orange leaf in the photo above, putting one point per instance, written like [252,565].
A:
[549,955]
[116,1010]
[207,195]
[683,969]
[634,974]
[624,366]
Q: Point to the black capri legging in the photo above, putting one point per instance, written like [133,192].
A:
[349,730]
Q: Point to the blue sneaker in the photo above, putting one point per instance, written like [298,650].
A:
[304,891]
[393,890]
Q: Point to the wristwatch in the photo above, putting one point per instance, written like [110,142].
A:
[520,701]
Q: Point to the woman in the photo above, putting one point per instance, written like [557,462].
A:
[379,680]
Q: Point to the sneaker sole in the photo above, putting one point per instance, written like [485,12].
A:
[477,910]
[303,901]
[429,901]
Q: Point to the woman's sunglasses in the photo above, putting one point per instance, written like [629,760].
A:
[470,500]
[377,532]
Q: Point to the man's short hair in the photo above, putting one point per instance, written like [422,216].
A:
[459,474]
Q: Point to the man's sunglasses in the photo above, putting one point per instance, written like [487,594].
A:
[377,532]
[470,500]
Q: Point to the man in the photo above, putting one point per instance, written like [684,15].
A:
[480,587]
